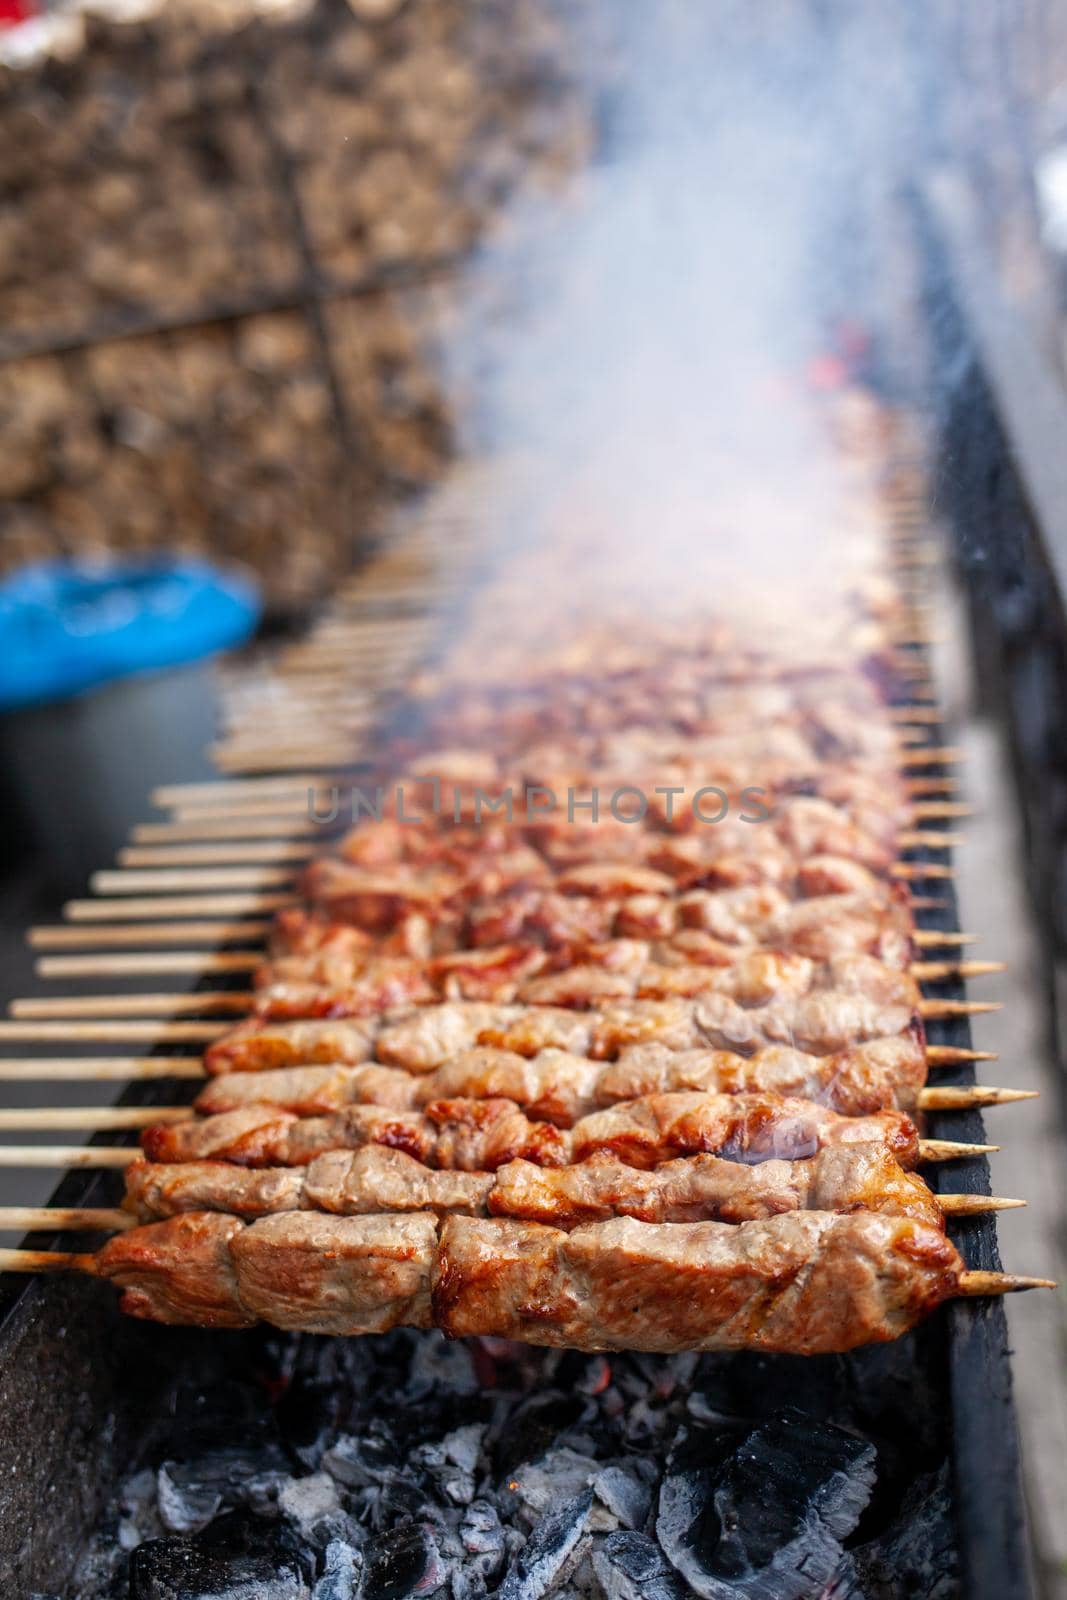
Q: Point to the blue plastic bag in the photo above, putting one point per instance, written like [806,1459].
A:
[67,626]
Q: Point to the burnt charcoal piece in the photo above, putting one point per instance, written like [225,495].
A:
[313,1507]
[405,1561]
[625,1494]
[763,1514]
[916,1555]
[553,1539]
[631,1566]
[358,1463]
[192,1492]
[237,1558]
[482,1537]
[341,1573]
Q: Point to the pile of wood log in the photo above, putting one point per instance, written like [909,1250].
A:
[213,239]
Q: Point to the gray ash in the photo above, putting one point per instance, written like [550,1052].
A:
[382,1468]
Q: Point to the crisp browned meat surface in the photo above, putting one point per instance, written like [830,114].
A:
[250,1047]
[810,1282]
[556,1086]
[806,1282]
[693,1189]
[474,1135]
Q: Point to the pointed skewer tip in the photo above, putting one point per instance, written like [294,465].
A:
[976,1205]
[981,1283]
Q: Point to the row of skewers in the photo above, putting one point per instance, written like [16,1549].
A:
[604,1027]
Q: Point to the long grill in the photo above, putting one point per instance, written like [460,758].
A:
[490,1462]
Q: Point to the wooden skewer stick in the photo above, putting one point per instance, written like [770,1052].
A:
[273,759]
[298,808]
[928,839]
[111,1031]
[916,871]
[969,1284]
[99,1155]
[203,963]
[46,1261]
[236,828]
[950,1150]
[113,1219]
[937,971]
[100,1219]
[197,962]
[105,1119]
[89,936]
[937,1010]
[982,1283]
[134,1005]
[239,1001]
[970,1205]
[67,1155]
[180,794]
[927,715]
[933,938]
[970,1096]
[177,905]
[106,1069]
[262,853]
[950,1055]
[918,787]
[96,1119]
[936,810]
[98,1069]
[933,755]
[177,879]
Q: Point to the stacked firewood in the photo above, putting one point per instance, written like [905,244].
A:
[193,212]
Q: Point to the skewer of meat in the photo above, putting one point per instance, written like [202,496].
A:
[702,927]
[813,1017]
[756,982]
[481,1135]
[708,926]
[560,1087]
[619,827]
[711,927]
[694,709]
[429,1036]
[618,969]
[380,900]
[442,863]
[807,1282]
[693,1189]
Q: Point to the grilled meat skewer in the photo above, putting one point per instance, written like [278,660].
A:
[428,1036]
[481,1135]
[435,871]
[559,1087]
[807,1282]
[708,926]
[618,969]
[693,1189]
